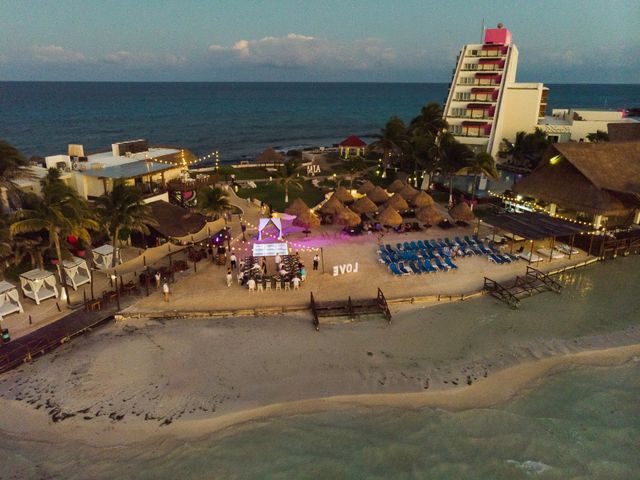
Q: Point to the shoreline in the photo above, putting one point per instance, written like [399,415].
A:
[21,422]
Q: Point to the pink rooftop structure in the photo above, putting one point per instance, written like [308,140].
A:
[351,146]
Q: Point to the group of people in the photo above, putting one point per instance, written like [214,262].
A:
[250,270]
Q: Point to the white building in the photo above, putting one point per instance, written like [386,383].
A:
[148,168]
[485,104]
[569,124]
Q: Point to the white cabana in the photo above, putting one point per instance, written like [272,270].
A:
[265,222]
[76,271]
[103,257]
[9,300]
[38,285]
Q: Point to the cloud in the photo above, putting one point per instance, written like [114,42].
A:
[56,54]
[144,59]
[295,50]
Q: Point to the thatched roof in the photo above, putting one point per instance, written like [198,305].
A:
[396,186]
[364,205]
[389,216]
[270,156]
[366,187]
[462,213]
[343,195]
[331,206]
[396,201]
[378,195]
[610,166]
[429,215]
[565,185]
[307,219]
[534,225]
[408,192]
[348,217]
[421,199]
[297,207]
[174,221]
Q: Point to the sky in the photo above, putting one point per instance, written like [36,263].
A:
[560,41]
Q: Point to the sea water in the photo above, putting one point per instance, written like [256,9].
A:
[237,119]
[580,422]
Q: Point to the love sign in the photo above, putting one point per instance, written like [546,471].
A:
[345,268]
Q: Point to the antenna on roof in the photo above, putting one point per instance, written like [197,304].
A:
[482,32]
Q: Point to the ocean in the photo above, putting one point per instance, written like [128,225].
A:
[237,119]
[578,422]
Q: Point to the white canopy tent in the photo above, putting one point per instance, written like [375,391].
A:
[103,257]
[265,222]
[38,285]
[9,300]
[76,271]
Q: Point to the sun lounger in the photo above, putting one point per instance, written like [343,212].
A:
[414,268]
[439,264]
[512,257]
[448,241]
[394,269]
[469,241]
[566,249]
[545,252]
[450,263]
[428,267]
[461,242]
[530,257]
[414,246]
[420,245]
[495,259]
[403,269]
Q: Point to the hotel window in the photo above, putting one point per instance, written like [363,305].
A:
[463,96]
[467,81]
[470,66]
[458,112]
[456,129]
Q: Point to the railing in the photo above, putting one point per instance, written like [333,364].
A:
[194,184]
[544,278]
[501,293]
[382,303]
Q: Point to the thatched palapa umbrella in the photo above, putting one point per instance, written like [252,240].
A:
[390,217]
[297,207]
[408,192]
[396,201]
[307,219]
[366,187]
[422,199]
[462,213]
[429,215]
[343,195]
[348,217]
[396,186]
[364,205]
[378,195]
[331,206]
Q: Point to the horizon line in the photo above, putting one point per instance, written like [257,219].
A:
[291,82]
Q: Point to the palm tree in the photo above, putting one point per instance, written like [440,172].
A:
[12,168]
[60,212]
[5,243]
[353,166]
[515,150]
[213,201]
[32,246]
[389,140]
[123,208]
[598,137]
[481,164]
[430,122]
[452,156]
[288,178]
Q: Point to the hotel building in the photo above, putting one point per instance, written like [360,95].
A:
[485,104]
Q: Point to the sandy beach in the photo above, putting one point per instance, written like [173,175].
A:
[136,379]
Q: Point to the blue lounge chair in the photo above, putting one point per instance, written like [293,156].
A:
[448,241]
[394,269]
[421,245]
[428,267]
[403,269]
[469,241]
[512,257]
[439,264]
[495,259]
[407,246]
[460,242]
[450,263]
[414,268]
[414,246]
[433,243]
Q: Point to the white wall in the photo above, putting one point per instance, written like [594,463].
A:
[520,108]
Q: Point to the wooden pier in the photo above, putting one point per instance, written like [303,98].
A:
[352,309]
[534,281]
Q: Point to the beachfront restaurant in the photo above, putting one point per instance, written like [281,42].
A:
[597,183]
[171,221]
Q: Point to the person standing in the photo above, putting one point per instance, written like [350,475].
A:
[278,260]
[234,260]
[165,291]
[264,266]
[229,277]
[158,279]
[316,261]
[243,227]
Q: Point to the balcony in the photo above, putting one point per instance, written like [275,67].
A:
[475,82]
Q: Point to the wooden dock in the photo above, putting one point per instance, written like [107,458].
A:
[351,309]
[534,281]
